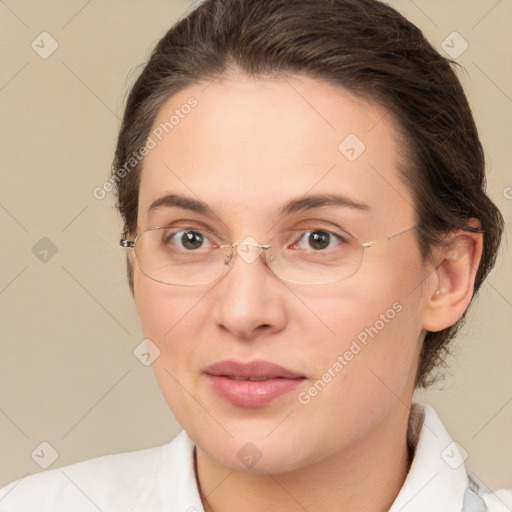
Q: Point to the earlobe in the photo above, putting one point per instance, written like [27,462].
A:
[454,279]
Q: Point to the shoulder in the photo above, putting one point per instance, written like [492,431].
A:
[111,482]
[498,501]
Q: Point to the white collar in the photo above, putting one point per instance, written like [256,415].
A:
[436,481]
[437,478]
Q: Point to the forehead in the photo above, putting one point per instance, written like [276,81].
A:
[244,143]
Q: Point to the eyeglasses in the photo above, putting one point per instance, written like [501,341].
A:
[189,256]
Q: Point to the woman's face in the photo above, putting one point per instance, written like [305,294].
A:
[245,149]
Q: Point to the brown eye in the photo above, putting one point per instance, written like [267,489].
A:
[187,239]
[192,240]
[319,239]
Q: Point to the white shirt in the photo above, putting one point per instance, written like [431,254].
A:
[162,479]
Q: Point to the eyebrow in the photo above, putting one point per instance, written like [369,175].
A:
[318,200]
[177,201]
[293,206]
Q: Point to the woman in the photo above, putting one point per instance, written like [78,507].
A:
[302,189]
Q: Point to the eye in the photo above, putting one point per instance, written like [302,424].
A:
[187,239]
[318,240]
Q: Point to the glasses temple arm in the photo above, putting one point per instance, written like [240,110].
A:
[127,243]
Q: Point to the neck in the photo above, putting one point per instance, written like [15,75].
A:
[366,477]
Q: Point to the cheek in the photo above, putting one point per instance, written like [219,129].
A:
[370,338]
[164,310]
[364,370]
[170,319]
[168,316]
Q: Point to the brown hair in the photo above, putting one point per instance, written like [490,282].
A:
[367,48]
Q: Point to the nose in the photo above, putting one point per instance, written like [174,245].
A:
[249,300]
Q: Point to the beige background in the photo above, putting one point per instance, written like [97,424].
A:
[69,327]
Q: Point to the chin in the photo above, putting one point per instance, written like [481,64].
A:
[257,458]
[251,449]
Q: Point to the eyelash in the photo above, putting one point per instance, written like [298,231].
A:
[305,231]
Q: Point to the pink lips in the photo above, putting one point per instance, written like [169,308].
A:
[253,384]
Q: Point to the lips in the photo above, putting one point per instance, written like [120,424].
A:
[255,370]
[253,384]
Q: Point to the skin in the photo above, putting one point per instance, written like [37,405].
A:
[248,147]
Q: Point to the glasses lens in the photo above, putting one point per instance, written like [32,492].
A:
[188,256]
[180,256]
[314,256]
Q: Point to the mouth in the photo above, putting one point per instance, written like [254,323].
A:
[253,384]
[252,379]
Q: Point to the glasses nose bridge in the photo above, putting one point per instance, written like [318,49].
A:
[233,248]
[252,244]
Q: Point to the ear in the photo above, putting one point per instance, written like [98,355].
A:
[453,280]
